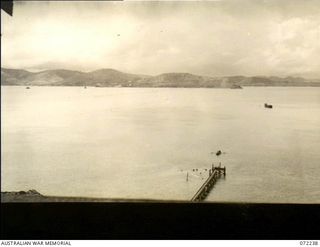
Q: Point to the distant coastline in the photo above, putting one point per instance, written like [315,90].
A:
[115,78]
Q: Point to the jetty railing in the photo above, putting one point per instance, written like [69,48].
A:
[214,174]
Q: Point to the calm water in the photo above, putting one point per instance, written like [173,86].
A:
[141,143]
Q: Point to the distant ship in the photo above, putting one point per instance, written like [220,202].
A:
[267,106]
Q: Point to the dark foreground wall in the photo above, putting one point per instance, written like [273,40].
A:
[159,221]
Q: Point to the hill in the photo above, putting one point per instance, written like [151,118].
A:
[115,78]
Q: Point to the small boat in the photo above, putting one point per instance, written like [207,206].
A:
[268,106]
[234,86]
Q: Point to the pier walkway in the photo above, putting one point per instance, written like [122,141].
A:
[214,174]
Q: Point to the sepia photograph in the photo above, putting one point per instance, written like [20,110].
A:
[161,102]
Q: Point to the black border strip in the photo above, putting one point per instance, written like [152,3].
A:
[227,221]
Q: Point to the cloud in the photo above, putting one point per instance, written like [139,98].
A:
[211,38]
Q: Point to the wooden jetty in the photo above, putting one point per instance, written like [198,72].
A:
[214,174]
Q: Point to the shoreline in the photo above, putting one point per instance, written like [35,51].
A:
[32,196]
[242,87]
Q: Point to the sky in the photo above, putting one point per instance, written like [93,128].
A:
[214,38]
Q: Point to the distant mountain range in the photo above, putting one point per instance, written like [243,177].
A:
[114,78]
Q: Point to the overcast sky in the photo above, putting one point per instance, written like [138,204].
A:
[215,38]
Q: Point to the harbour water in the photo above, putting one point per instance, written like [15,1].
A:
[142,142]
